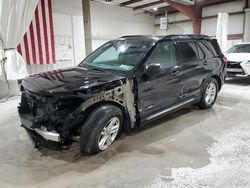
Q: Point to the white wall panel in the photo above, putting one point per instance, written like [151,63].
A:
[208,25]
[234,6]
[110,22]
[78,38]
[176,28]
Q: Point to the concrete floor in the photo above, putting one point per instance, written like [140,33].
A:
[190,148]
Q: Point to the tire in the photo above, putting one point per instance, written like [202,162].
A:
[97,128]
[211,85]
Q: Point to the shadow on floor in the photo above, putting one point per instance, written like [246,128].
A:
[138,139]
[238,81]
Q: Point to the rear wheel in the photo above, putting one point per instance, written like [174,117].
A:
[209,94]
[101,129]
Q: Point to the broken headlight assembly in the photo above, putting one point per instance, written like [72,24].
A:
[50,112]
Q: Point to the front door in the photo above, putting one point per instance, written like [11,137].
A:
[159,90]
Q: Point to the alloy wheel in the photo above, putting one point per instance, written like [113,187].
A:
[210,93]
[109,133]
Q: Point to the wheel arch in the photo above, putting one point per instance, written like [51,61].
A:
[126,124]
[217,78]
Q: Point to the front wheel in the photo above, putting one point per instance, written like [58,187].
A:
[101,129]
[209,94]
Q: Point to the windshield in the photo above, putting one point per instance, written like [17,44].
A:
[119,55]
[243,48]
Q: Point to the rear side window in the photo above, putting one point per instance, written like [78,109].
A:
[240,49]
[189,51]
[245,49]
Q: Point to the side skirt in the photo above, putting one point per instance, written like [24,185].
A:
[172,108]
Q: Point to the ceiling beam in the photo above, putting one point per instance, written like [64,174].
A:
[129,2]
[149,4]
[188,10]
[161,11]
[212,2]
[192,11]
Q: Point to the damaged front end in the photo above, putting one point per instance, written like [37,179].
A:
[46,115]
[57,118]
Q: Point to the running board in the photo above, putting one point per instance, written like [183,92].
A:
[170,109]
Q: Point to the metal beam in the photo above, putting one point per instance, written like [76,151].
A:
[148,5]
[192,11]
[161,11]
[247,4]
[203,18]
[129,2]
[87,26]
[212,2]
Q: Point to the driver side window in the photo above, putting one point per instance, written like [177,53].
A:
[163,54]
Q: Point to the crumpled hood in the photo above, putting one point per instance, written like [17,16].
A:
[67,80]
[238,57]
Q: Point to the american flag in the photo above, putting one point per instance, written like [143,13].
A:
[38,44]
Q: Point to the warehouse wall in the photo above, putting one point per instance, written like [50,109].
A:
[108,22]
[208,26]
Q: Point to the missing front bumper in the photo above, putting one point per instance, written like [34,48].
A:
[47,135]
[52,136]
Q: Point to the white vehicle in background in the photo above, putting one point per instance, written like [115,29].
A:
[238,60]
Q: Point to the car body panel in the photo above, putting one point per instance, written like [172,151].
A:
[68,80]
[152,93]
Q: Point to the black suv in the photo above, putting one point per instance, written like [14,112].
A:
[123,84]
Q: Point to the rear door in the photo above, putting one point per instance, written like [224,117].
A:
[192,69]
[198,62]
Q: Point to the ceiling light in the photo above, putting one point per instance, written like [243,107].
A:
[155,8]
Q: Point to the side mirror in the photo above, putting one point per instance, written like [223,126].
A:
[154,69]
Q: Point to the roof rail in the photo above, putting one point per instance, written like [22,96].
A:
[131,36]
[189,36]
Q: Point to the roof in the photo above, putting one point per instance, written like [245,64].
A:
[242,43]
[168,37]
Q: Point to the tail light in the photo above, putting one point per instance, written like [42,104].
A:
[224,59]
